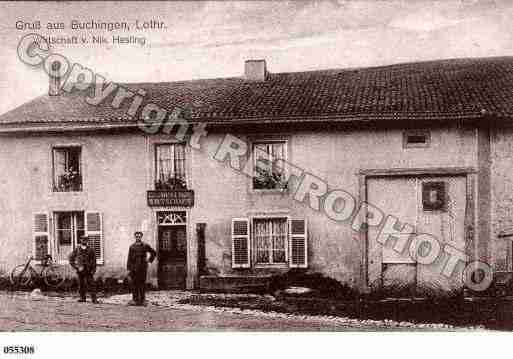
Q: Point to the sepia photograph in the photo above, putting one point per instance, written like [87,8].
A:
[255,166]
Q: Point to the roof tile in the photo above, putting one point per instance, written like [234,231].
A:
[449,89]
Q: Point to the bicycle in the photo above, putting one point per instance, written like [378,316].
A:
[24,274]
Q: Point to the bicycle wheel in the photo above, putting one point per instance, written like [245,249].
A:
[20,276]
[52,276]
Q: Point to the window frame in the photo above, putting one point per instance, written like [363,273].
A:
[156,162]
[441,187]
[74,231]
[265,140]
[80,166]
[408,133]
[256,264]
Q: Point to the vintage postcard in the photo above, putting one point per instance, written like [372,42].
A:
[256,166]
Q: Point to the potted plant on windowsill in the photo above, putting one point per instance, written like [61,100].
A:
[70,181]
[267,180]
[170,184]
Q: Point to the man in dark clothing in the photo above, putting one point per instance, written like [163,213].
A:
[137,265]
[83,260]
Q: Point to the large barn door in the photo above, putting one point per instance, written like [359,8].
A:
[393,271]
[441,214]
[434,206]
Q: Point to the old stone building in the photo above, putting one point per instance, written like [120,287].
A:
[429,143]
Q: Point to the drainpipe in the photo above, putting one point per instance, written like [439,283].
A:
[484,188]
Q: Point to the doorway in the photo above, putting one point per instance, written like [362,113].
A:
[172,250]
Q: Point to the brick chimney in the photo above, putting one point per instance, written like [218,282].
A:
[255,70]
[55,79]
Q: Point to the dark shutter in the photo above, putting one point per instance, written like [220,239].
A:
[202,258]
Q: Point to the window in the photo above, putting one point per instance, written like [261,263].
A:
[273,241]
[416,138]
[66,169]
[270,240]
[69,227]
[170,166]
[434,196]
[268,174]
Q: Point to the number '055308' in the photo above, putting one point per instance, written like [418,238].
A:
[19,349]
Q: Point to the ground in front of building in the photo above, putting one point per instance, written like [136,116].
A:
[166,311]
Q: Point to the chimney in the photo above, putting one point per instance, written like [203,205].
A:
[55,78]
[255,70]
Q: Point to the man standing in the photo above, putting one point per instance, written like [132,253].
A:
[83,260]
[137,265]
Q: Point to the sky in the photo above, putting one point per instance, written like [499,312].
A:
[212,39]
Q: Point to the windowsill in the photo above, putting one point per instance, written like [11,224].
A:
[270,191]
[416,145]
[271,265]
[171,189]
[73,193]
[434,211]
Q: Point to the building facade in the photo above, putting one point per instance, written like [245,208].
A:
[273,183]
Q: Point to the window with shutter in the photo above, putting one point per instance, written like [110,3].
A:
[240,243]
[69,227]
[94,230]
[270,240]
[41,236]
[298,255]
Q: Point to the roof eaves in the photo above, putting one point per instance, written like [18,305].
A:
[60,127]
[101,124]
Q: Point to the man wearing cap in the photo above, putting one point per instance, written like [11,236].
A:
[137,265]
[83,260]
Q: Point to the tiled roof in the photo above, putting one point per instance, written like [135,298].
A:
[444,89]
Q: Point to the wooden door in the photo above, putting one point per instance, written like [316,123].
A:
[445,221]
[433,205]
[172,257]
[392,271]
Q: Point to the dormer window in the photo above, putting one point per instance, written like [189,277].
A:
[416,139]
[67,175]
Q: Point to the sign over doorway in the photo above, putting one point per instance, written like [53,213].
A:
[172,198]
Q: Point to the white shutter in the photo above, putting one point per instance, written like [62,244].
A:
[298,246]
[240,243]
[41,235]
[94,230]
